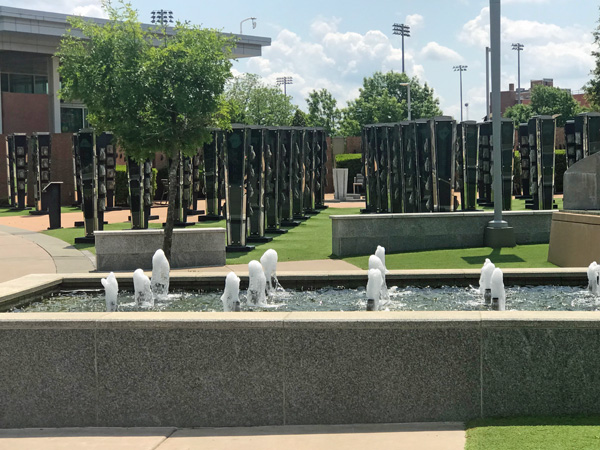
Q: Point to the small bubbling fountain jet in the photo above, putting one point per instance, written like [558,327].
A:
[380,253]
[593,273]
[111,291]
[498,293]
[485,280]
[160,275]
[231,294]
[143,292]
[374,289]
[375,263]
[257,283]
[269,265]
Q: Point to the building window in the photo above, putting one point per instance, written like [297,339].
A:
[73,119]
[40,85]
[22,84]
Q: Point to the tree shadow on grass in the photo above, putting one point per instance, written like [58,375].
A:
[494,256]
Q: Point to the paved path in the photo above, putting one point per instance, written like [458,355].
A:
[425,436]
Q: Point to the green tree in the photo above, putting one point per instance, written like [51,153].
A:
[323,111]
[383,99]
[299,119]
[155,92]
[592,87]
[253,102]
[548,100]
[519,113]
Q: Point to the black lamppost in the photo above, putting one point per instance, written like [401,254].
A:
[518,47]
[402,30]
[460,69]
[285,81]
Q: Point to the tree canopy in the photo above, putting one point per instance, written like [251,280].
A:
[251,101]
[323,111]
[383,99]
[546,100]
[592,88]
[155,91]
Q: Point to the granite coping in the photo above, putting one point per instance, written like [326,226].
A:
[567,216]
[457,214]
[302,320]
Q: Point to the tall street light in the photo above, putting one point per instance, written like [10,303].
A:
[402,30]
[253,19]
[487,83]
[285,81]
[161,17]
[467,109]
[407,96]
[460,69]
[518,47]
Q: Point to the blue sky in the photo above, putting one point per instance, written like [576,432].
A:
[336,44]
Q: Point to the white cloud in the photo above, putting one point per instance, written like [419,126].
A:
[414,20]
[335,60]
[437,52]
[90,8]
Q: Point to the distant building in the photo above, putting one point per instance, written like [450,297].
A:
[510,98]
[29,80]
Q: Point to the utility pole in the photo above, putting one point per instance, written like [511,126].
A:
[460,69]
[518,47]
[285,81]
[401,30]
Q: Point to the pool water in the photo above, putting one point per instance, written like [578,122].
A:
[522,298]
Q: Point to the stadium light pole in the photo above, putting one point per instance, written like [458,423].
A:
[404,31]
[408,97]
[518,47]
[460,69]
[285,81]
[161,17]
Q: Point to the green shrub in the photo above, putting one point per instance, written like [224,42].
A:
[517,184]
[352,162]
[122,185]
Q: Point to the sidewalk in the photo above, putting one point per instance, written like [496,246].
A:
[421,436]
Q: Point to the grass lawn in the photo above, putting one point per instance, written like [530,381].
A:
[312,240]
[519,205]
[528,433]
[5,211]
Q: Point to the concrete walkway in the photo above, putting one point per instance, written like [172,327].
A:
[418,436]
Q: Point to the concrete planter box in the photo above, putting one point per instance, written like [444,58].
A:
[361,234]
[133,249]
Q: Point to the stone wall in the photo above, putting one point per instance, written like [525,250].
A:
[361,234]
[251,369]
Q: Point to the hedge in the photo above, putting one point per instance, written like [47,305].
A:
[122,186]
[560,166]
[352,162]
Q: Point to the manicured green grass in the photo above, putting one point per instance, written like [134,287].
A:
[309,240]
[4,211]
[529,433]
[521,256]
[519,205]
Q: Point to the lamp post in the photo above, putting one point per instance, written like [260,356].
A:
[518,47]
[253,19]
[487,83]
[402,30]
[467,109]
[408,97]
[460,69]
[161,17]
[285,81]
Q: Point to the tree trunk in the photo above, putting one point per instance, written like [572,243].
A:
[168,233]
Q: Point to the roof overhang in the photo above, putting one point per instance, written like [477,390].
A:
[26,30]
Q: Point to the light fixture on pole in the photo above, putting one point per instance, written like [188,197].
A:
[253,19]
[161,17]
[518,47]
[460,69]
[402,30]
[285,81]
[467,109]
[408,98]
